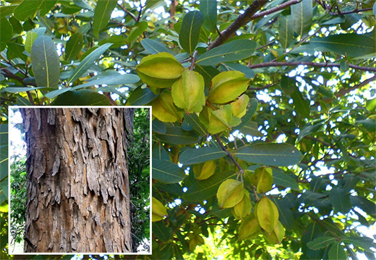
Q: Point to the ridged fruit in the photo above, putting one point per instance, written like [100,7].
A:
[230,193]
[204,171]
[227,86]
[158,210]
[221,119]
[159,70]
[267,214]
[188,91]
[239,106]
[164,108]
[243,208]
[277,235]
[265,179]
[249,228]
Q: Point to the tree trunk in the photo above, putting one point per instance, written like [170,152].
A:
[77,180]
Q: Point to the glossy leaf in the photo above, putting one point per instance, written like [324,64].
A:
[190,31]
[87,62]
[205,189]
[282,179]
[74,46]
[286,31]
[250,129]
[29,9]
[337,251]
[340,200]
[158,126]
[270,154]
[302,14]
[321,242]
[233,51]
[175,135]
[114,78]
[208,8]
[102,15]
[167,172]
[195,123]
[141,96]
[153,46]
[46,64]
[83,97]
[203,154]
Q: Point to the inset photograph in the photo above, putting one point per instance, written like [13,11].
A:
[79,180]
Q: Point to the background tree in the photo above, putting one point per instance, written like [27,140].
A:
[309,74]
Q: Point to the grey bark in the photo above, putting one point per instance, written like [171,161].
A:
[77,179]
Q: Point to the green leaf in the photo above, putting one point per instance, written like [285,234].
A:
[233,51]
[153,47]
[321,242]
[161,231]
[86,63]
[374,9]
[301,105]
[114,78]
[158,126]
[371,105]
[286,31]
[366,205]
[239,67]
[253,103]
[141,96]
[46,64]
[337,252]
[340,199]
[285,214]
[190,31]
[29,9]
[309,129]
[23,101]
[102,15]
[251,129]
[30,38]
[16,50]
[200,155]
[302,14]
[3,190]
[6,32]
[22,89]
[369,124]
[7,10]
[270,154]
[159,152]
[282,179]
[74,46]
[137,30]
[365,243]
[83,97]
[208,72]
[208,8]
[176,135]
[195,123]
[205,189]
[167,172]
[3,151]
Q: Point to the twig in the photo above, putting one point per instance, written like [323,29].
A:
[228,153]
[193,61]
[276,9]
[126,11]
[343,92]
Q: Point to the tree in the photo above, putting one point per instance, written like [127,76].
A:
[78,196]
[263,112]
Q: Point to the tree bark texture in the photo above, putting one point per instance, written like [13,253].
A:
[77,179]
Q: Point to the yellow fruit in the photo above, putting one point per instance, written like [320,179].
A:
[230,193]
[164,108]
[267,214]
[244,207]
[265,179]
[227,86]
[277,235]
[221,119]
[239,106]
[158,210]
[249,228]
[203,172]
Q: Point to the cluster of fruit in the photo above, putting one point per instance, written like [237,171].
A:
[182,90]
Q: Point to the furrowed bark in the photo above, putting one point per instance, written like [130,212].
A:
[77,180]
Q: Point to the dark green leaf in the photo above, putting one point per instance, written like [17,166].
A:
[302,14]
[16,50]
[83,97]
[233,51]
[46,64]
[158,126]
[29,9]
[3,151]
[74,46]
[309,129]
[202,190]
[366,205]
[321,242]
[86,63]
[200,155]
[137,31]
[369,124]
[337,252]
[270,154]
[195,123]
[114,78]
[250,129]
[102,14]
[365,243]
[301,104]
[285,214]
[175,135]
[141,96]
[286,31]
[340,199]
[167,172]
[159,152]
[6,32]
[190,31]
[282,179]
[208,8]
[239,67]
[208,72]
[153,47]
[21,89]
[161,231]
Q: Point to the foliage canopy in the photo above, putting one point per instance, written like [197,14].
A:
[263,112]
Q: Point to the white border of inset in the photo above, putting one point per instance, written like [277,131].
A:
[150,184]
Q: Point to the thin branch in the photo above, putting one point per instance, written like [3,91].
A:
[276,9]
[242,20]
[228,153]
[343,92]
[312,64]
[126,11]
[193,61]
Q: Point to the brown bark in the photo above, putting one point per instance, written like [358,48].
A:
[77,180]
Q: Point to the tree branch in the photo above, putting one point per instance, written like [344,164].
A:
[343,92]
[276,9]
[242,20]
[308,63]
